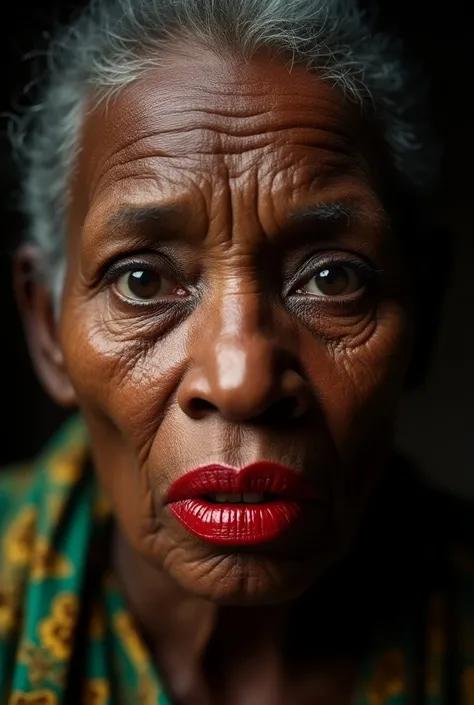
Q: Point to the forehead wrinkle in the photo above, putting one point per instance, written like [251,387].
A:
[212,137]
[211,142]
[158,169]
[324,116]
[117,159]
[288,146]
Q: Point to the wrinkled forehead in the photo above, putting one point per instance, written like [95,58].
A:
[200,120]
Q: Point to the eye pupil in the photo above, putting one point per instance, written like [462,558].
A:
[332,281]
[144,284]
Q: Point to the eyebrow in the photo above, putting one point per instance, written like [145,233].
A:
[333,212]
[171,217]
[140,215]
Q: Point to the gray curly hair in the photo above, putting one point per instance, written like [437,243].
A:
[113,42]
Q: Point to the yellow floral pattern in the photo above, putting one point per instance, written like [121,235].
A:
[57,631]
[56,637]
[148,691]
[65,470]
[96,692]
[47,563]
[127,631]
[65,608]
[19,539]
[42,665]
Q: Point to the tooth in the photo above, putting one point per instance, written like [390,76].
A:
[252,497]
[236,497]
[220,497]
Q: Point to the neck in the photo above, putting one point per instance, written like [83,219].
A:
[184,632]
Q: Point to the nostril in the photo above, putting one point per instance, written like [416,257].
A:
[281,411]
[200,407]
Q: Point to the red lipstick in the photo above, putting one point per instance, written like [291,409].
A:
[253,505]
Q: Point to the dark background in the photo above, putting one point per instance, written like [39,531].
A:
[436,424]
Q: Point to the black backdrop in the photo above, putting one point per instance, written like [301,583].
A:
[437,33]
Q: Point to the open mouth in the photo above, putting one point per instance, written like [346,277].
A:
[250,506]
[241,498]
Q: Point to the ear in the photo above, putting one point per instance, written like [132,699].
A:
[41,323]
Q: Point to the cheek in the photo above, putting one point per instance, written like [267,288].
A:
[358,383]
[123,390]
[123,374]
[359,379]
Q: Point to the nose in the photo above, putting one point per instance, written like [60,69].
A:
[245,374]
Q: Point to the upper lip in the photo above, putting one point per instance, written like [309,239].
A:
[260,477]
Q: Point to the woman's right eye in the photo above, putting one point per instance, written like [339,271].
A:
[141,284]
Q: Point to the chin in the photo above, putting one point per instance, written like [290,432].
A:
[246,579]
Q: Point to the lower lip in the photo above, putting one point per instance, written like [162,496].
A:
[237,524]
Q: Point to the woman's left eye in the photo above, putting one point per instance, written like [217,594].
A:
[145,285]
[334,281]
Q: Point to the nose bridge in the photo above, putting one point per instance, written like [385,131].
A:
[237,362]
[242,343]
[243,312]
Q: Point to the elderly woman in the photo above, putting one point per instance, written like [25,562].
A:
[220,275]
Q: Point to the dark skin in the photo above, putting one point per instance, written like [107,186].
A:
[234,292]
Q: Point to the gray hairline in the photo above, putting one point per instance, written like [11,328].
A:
[119,42]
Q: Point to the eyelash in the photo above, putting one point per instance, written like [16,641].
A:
[319,262]
[113,271]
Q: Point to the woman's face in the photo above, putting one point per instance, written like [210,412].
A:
[234,294]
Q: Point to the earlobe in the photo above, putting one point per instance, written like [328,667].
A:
[35,300]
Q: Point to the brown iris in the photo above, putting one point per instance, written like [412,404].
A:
[333,281]
[143,284]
